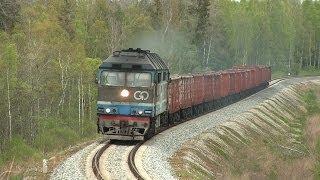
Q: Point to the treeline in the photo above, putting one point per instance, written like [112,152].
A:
[49,51]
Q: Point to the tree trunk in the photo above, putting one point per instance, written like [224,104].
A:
[310,56]
[209,50]
[70,97]
[290,57]
[204,53]
[301,59]
[318,55]
[167,25]
[82,104]
[64,83]
[89,103]
[79,104]
[9,105]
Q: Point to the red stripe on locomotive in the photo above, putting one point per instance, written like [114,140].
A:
[123,118]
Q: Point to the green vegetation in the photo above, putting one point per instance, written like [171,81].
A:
[312,101]
[49,51]
[19,151]
[309,72]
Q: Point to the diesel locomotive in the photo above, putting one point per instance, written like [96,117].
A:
[132,94]
[137,96]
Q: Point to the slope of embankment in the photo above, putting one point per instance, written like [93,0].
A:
[279,138]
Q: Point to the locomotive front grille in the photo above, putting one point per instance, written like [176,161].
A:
[117,128]
[124,127]
[124,124]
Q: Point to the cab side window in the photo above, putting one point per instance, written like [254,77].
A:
[164,77]
[159,77]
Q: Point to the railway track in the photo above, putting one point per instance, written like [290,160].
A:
[132,164]
[97,167]
[273,82]
[96,159]
[131,157]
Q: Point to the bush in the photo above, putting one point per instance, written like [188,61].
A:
[90,129]
[67,136]
[309,72]
[56,139]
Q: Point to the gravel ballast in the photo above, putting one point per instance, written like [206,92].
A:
[113,162]
[152,159]
[75,166]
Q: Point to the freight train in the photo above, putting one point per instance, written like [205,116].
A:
[137,96]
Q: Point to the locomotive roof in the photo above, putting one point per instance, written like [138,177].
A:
[134,59]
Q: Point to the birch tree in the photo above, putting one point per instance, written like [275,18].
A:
[11,64]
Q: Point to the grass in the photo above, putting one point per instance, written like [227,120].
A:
[53,136]
[303,73]
[18,151]
[309,72]
[278,74]
[312,102]
[317,165]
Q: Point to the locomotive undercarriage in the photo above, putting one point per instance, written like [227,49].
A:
[124,133]
[123,129]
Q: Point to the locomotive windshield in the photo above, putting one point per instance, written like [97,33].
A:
[111,78]
[138,79]
[114,78]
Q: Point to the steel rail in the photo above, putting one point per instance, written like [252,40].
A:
[131,162]
[95,161]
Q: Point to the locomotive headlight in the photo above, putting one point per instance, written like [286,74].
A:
[124,93]
[108,110]
[140,112]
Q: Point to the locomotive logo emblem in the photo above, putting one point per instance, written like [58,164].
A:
[141,95]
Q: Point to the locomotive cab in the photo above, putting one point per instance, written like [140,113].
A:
[132,93]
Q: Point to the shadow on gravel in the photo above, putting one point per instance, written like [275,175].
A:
[123,143]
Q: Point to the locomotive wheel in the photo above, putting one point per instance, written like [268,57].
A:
[152,129]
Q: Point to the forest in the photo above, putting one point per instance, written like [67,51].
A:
[50,51]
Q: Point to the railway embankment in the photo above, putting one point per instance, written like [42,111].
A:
[278,138]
